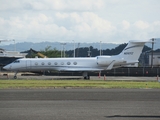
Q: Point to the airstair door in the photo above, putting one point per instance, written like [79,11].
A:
[28,64]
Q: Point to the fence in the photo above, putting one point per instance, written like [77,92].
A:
[137,71]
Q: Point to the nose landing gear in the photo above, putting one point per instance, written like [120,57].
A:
[15,75]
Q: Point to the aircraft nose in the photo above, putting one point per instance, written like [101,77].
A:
[7,67]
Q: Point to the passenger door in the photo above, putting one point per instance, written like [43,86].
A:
[28,64]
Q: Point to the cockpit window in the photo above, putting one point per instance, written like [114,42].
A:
[16,61]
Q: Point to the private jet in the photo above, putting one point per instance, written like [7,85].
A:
[129,56]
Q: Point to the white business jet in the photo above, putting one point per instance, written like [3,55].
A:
[129,56]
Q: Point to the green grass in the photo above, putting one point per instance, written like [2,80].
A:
[16,84]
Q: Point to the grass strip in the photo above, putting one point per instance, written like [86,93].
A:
[16,84]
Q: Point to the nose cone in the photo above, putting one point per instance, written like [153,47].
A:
[7,67]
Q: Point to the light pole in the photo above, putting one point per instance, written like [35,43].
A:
[74,48]
[100,48]
[153,39]
[89,52]
[14,45]
[9,40]
[63,49]
[78,49]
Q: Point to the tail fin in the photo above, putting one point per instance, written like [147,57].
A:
[132,51]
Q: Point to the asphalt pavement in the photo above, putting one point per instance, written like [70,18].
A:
[78,104]
[10,76]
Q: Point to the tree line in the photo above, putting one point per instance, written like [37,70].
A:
[82,52]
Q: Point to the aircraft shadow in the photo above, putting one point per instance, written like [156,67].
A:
[133,116]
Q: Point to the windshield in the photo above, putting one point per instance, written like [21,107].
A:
[16,61]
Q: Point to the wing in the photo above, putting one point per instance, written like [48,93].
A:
[80,69]
[110,66]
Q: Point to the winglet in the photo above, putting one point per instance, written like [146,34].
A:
[110,65]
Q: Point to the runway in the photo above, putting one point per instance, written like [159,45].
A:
[78,104]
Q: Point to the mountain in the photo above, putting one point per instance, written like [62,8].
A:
[57,45]
[42,45]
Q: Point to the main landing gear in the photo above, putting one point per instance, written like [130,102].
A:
[86,76]
[15,75]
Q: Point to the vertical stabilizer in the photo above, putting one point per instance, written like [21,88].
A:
[132,51]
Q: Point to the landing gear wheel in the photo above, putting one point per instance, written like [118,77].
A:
[86,76]
[15,77]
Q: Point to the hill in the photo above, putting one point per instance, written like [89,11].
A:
[57,45]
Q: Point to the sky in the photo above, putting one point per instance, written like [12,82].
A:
[108,21]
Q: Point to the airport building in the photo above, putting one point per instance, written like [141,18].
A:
[156,59]
[7,57]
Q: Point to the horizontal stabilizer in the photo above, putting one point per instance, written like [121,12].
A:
[110,65]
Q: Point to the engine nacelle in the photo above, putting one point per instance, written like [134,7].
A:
[103,60]
[107,60]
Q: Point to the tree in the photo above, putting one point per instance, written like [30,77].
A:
[50,53]
[83,52]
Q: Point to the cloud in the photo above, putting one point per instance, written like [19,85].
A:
[141,24]
[61,15]
[59,5]
[95,22]
[125,24]
[81,20]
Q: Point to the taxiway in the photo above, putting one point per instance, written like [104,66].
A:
[78,104]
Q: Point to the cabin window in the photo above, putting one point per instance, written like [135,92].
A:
[49,63]
[16,61]
[55,63]
[42,63]
[68,63]
[75,63]
[36,63]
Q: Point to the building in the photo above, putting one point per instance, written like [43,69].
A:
[156,59]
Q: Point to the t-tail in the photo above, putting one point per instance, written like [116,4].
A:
[132,51]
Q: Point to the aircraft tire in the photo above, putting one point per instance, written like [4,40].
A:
[15,77]
[87,78]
